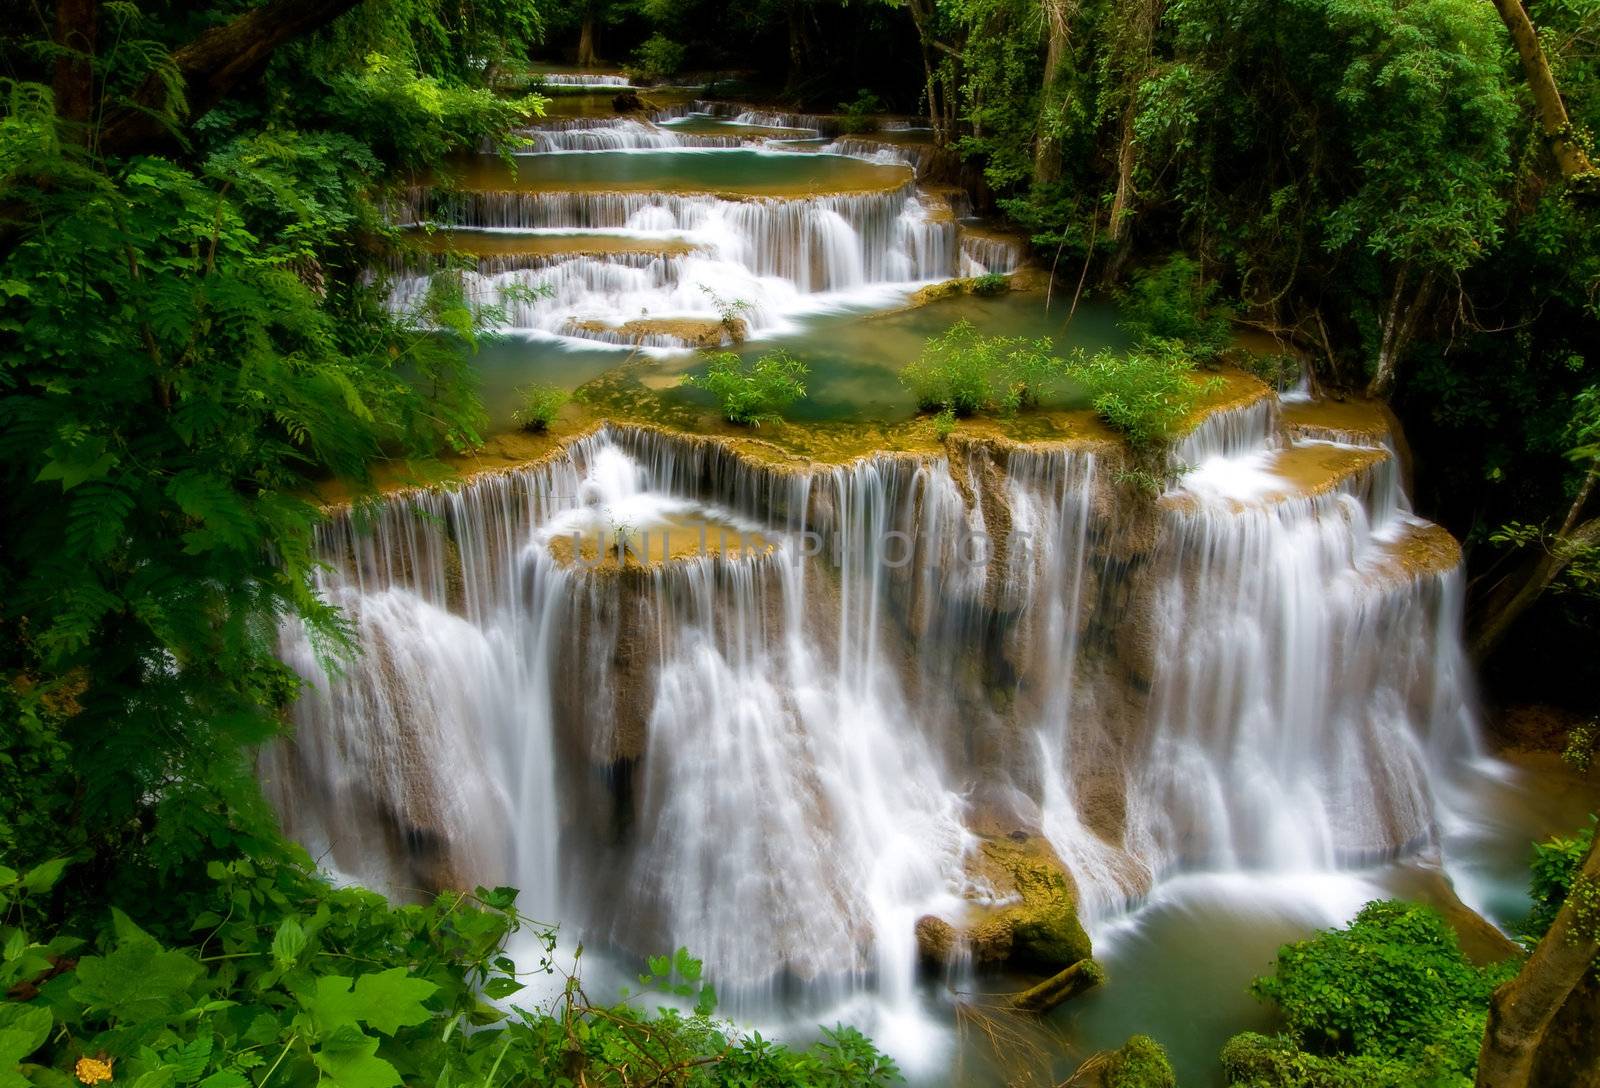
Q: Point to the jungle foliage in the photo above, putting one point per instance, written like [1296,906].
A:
[193,336]
[1388,1000]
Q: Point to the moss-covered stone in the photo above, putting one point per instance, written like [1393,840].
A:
[936,940]
[1037,928]
[1141,1062]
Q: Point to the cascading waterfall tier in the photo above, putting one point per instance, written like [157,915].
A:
[776,256]
[785,751]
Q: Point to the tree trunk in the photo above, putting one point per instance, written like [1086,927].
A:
[1399,325]
[222,59]
[1570,157]
[586,53]
[1060,987]
[73,84]
[1522,1010]
[1047,146]
[1137,36]
[922,13]
[1551,562]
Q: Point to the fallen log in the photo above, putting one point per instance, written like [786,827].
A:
[1059,988]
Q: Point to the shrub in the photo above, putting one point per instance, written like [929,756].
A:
[1279,370]
[1556,863]
[1141,1062]
[753,395]
[964,372]
[1389,999]
[857,115]
[657,57]
[539,405]
[1173,301]
[1146,393]
[990,284]
[293,982]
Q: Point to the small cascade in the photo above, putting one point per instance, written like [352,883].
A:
[916,156]
[821,124]
[794,706]
[582,79]
[616,134]
[1231,432]
[985,253]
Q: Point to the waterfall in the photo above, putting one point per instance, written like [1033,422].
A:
[771,254]
[783,751]
[584,79]
[915,156]
[982,253]
[616,134]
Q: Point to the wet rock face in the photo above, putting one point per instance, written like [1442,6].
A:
[937,941]
[713,749]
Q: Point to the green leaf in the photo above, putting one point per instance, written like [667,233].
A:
[23,1029]
[386,1001]
[42,877]
[288,942]
[189,1061]
[138,982]
[501,986]
[353,1064]
[227,1078]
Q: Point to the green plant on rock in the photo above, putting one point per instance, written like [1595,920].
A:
[989,284]
[754,394]
[1389,1000]
[730,312]
[1141,1062]
[1147,393]
[538,405]
[857,115]
[964,372]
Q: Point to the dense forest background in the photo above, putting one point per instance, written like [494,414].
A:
[191,195]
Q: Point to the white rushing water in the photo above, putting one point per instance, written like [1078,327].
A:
[777,258]
[783,758]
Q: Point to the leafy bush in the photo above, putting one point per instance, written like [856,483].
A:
[1556,863]
[990,284]
[1146,393]
[657,57]
[293,982]
[1141,1062]
[539,405]
[754,395]
[1389,999]
[1173,301]
[964,372]
[857,114]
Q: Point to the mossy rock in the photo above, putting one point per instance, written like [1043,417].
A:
[1040,930]
[1141,1062]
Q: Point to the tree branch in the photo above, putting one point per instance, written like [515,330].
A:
[1570,156]
[214,65]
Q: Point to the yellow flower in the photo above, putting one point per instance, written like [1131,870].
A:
[92,1070]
